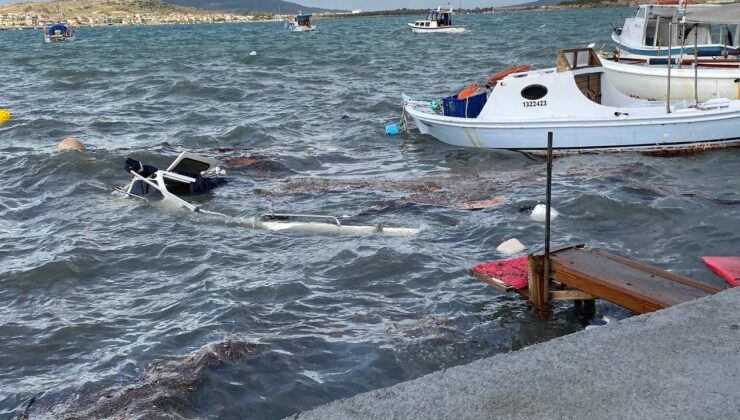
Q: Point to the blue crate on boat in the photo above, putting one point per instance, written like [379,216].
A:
[464,108]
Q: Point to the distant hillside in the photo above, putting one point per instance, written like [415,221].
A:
[539,3]
[274,6]
[90,7]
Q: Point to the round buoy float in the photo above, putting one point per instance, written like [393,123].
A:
[70,143]
[4,116]
[494,78]
[468,92]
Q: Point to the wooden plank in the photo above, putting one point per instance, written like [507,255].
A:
[570,294]
[537,284]
[491,281]
[635,286]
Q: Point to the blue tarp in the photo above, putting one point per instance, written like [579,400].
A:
[58,27]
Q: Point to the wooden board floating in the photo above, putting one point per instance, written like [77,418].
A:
[579,273]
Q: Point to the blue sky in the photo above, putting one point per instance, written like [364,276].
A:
[385,4]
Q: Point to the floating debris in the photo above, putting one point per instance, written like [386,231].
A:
[540,211]
[510,247]
[70,143]
[165,386]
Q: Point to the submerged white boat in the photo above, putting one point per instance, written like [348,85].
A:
[438,20]
[190,175]
[577,102]
[300,23]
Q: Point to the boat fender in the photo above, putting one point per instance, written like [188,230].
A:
[494,78]
[468,92]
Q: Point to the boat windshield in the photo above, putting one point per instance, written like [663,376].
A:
[304,20]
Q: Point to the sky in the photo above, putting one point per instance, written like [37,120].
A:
[397,4]
[386,4]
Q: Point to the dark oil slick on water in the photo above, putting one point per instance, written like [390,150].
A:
[102,297]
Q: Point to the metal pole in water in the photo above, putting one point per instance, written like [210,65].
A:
[670,46]
[696,64]
[548,203]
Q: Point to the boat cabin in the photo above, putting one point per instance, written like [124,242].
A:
[303,20]
[650,28]
[436,18]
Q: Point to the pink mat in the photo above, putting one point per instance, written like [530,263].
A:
[726,267]
[512,272]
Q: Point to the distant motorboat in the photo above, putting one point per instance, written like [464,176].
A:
[577,102]
[300,23]
[438,20]
[59,31]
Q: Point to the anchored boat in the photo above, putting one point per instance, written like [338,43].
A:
[59,31]
[190,174]
[300,23]
[684,42]
[655,32]
[577,102]
[438,20]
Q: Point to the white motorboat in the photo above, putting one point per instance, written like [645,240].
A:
[59,31]
[300,23]
[577,102]
[699,69]
[438,20]
[662,29]
[190,174]
[642,80]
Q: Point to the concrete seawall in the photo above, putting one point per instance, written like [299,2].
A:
[682,362]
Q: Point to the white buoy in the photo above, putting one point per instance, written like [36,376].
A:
[253,53]
[539,212]
[510,247]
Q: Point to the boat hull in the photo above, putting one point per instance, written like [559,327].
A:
[442,30]
[57,38]
[673,131]
[651,81]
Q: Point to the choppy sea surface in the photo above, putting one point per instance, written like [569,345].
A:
[155,310]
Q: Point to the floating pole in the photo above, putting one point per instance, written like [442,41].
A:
[548,206]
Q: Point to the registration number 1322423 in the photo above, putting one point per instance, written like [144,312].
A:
[529,104]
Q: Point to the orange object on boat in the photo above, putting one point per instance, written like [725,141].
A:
[468,92]
[511,70]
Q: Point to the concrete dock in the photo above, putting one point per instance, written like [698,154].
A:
[681,362]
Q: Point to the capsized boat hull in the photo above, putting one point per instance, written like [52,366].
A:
[682,129]
[651,81]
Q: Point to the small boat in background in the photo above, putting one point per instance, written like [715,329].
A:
[300,23]
[59,31]
[578,104]
[438,20]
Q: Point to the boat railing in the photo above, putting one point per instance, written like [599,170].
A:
[577,58]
